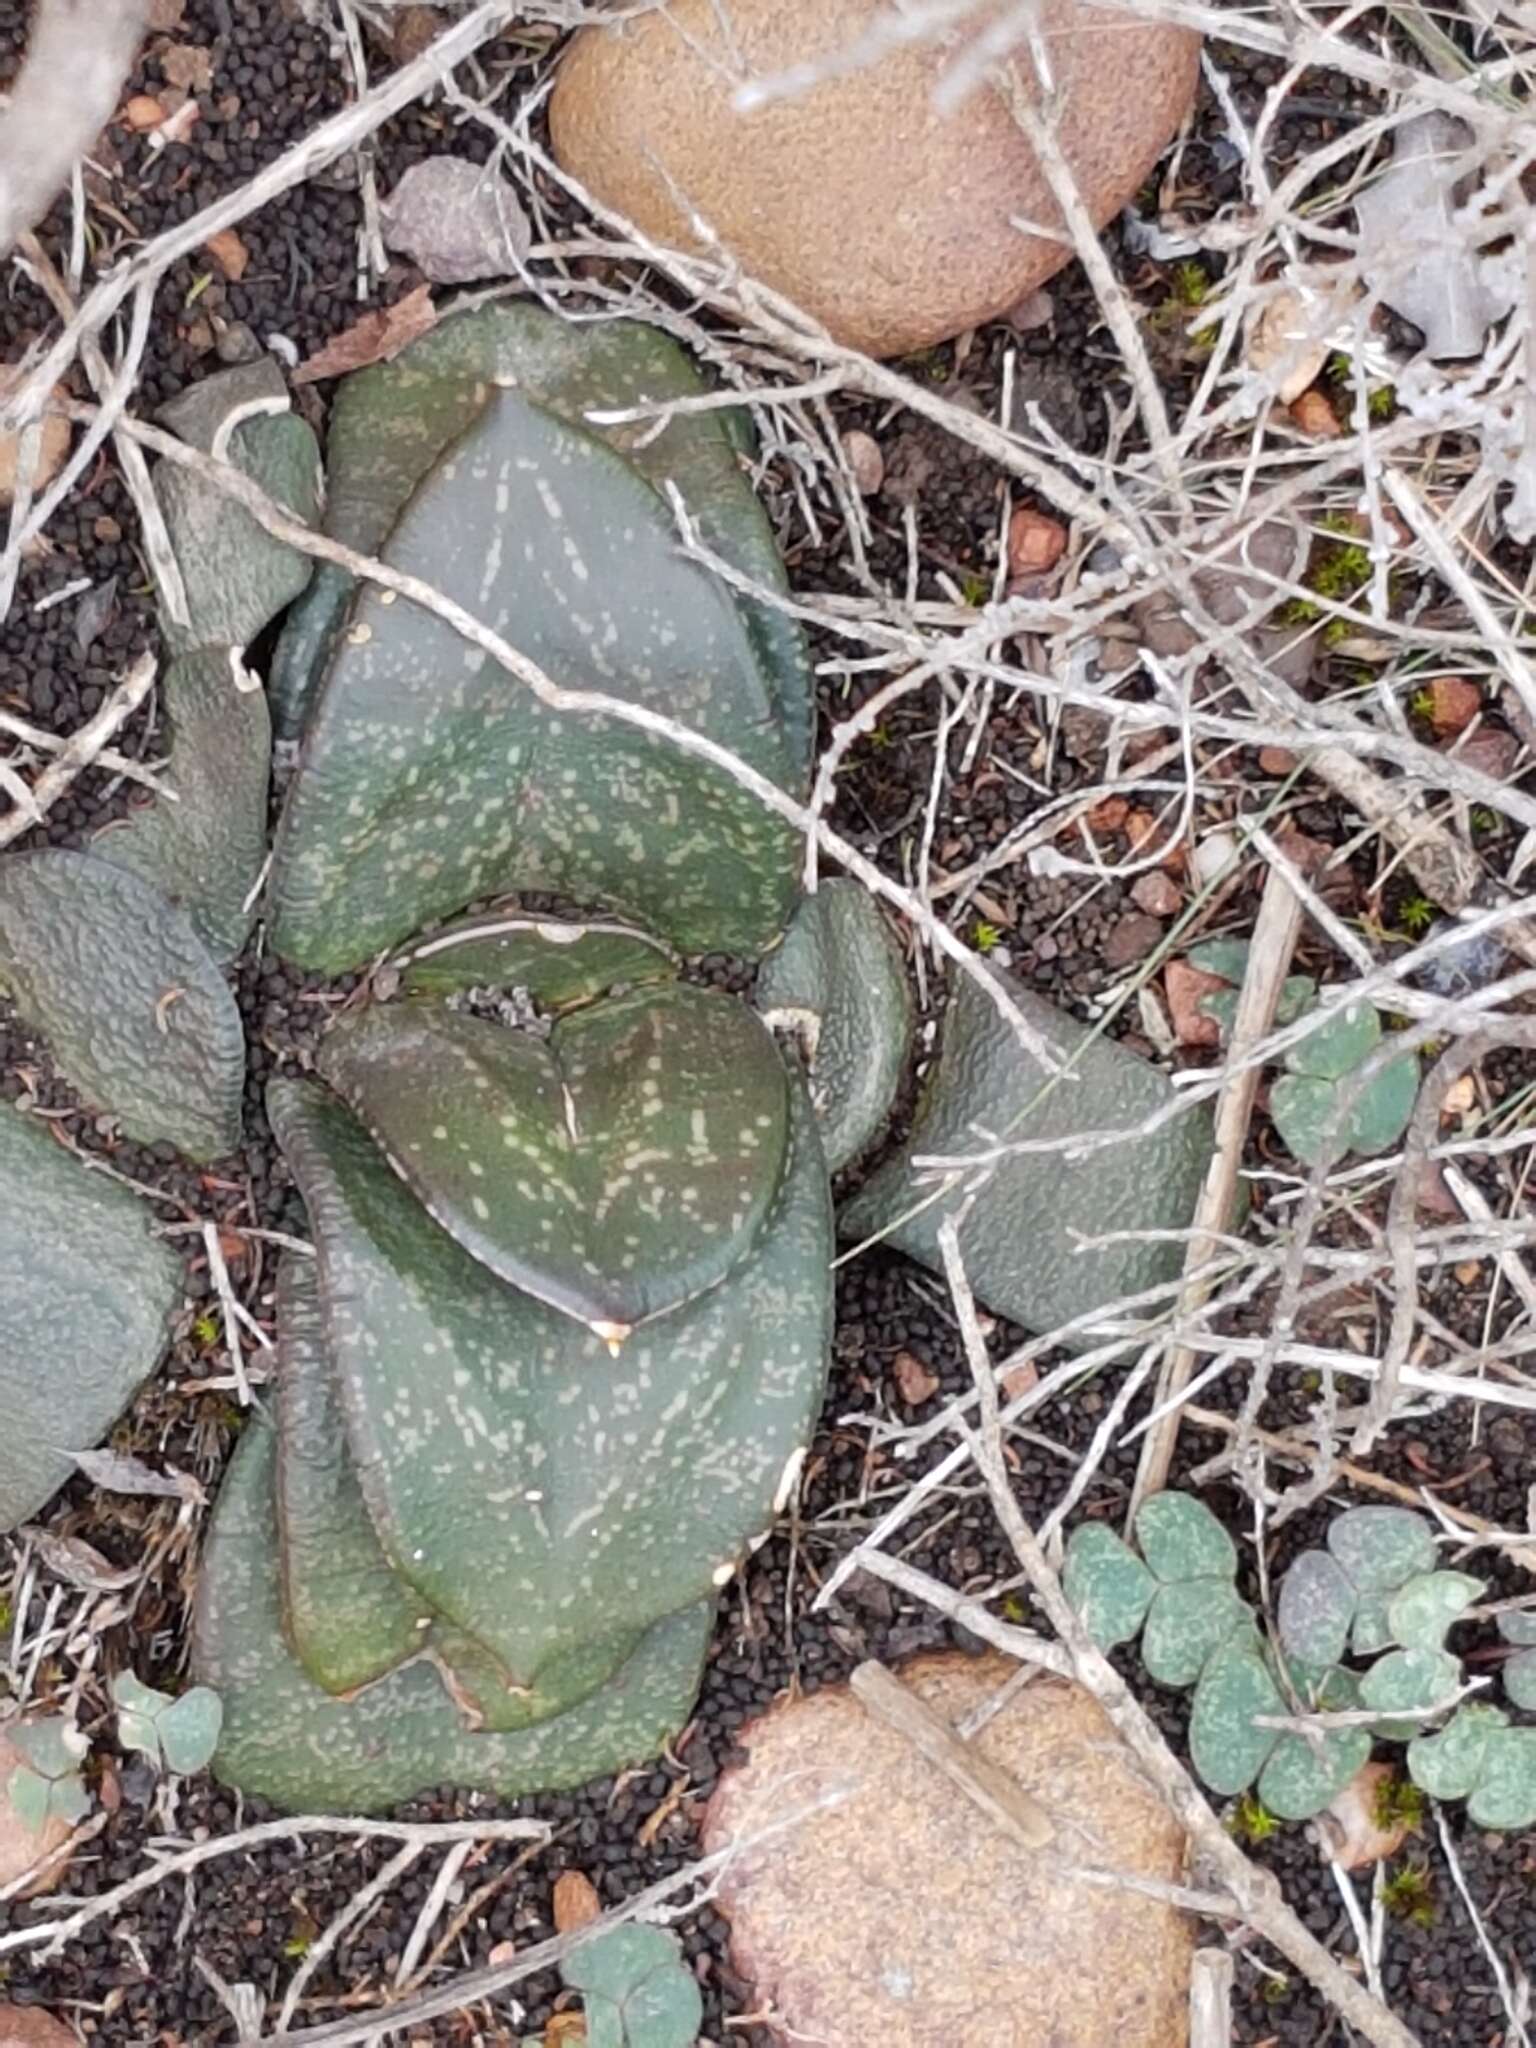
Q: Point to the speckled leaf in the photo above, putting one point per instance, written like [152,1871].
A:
[1505,1793]
[1407,1679]
[636,1983]
[204,850]
[538,1491]
[1421,1611]
[1381,1112]
[237,577]
[1381,1547]
[618,1167]
[1449,1764]
[1181,1539]
[1107,1583]
[390,425]
[136,1014]
[1519,1675]
[1227,1749]
[1297,995]
[479,1684]
[1339,1046]
[431,776]
[1371,1631]
[559,965]
[1227,959]
[288,1741]
[1021,1236]
[89,1292]
[840,966]
[1299,1781]
[1185,1624]
[348,1618]
[1518,1625]
[1309,1117]
[1316,1606]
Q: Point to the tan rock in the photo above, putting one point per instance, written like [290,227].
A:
[885,218]
[20,1848]
[28,2026]
[52,449]
[901,1916]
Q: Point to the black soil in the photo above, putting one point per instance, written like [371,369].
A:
[137,1978]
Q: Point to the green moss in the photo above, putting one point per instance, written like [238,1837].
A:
[1398,1803]
[1251,1820]
[987,937]
[1409,1894]
[1415,915]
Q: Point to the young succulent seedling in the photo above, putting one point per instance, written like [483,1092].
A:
[1306,1102]
[1375,1589]
[48,1786]
[176,1734]
[638,1989]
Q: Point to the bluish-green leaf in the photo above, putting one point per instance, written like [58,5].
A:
[1339,1045]
[1316,1606]
[1519,1675]
[1227,1749]
[1447,1765]
[1185,1624]
[558,965]
[1422,1610]
[1505,1793]
[136,1013]
[1181,1539]
[1381,1547]
[1107,1583]
[1404,1680]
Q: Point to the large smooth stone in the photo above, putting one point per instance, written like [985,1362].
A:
[897,1915]
[890,222]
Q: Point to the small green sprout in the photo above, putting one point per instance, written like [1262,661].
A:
[1382,402]
[1409,1895]
[1484,820]
[1251,1820]
[1274,1987]
[206,1330]
[1416,914]
[1422,703]
[1398,1803]
[975,589]
[880,738]
[987,937]
[1191,286]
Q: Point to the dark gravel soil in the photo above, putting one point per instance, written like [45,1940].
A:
[139,1977]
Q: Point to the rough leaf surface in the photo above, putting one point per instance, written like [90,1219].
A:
[1181,1539]
[613,1170]
[1227,1749]
[286,1740]
[237,577]
[1505,1793]
[1186,1623]
[431,776]
[1380,1547]
[89,1296]
[1020,1239]
[1316,1607]
[204,851]
[840,963]
[391,424]
[136,1014]
[1107,1584]
[538,1491]
[1449,1764]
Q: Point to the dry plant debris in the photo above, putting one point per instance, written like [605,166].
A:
[1316,683]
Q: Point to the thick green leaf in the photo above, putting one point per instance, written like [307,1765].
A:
[1519,1676]
[1518,1625]
[539,1492]
[288,1741]
[52,1745]
[1309,1117]
[1337,1047]
[136,1014]
[1022,1234]
[840,981]
[392,423]
[237,577]
[1422,1610]
[558,965]
[613,1170]
[89,1293]
[1449,1764]
[432,777]
[1371,1631]
[1227,1749]
[204,850]
[1381,1548]
[1299,1780]
[639,1990]
[1227,959]
[1505,1793]
[1107,1583]
[1186,1623]
[179,1734]
[1316,1607]
[1404,1680]
[348,1617]
[1181,1539]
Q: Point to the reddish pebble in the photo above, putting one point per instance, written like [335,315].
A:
[1036,542]
[1156,894]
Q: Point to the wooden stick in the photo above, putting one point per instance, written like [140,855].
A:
[987,1785]
[1210,1998]
[1269,961]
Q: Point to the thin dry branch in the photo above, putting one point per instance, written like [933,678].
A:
[82,748]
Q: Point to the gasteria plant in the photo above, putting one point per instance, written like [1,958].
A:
[551,1365]
[1284,1711]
